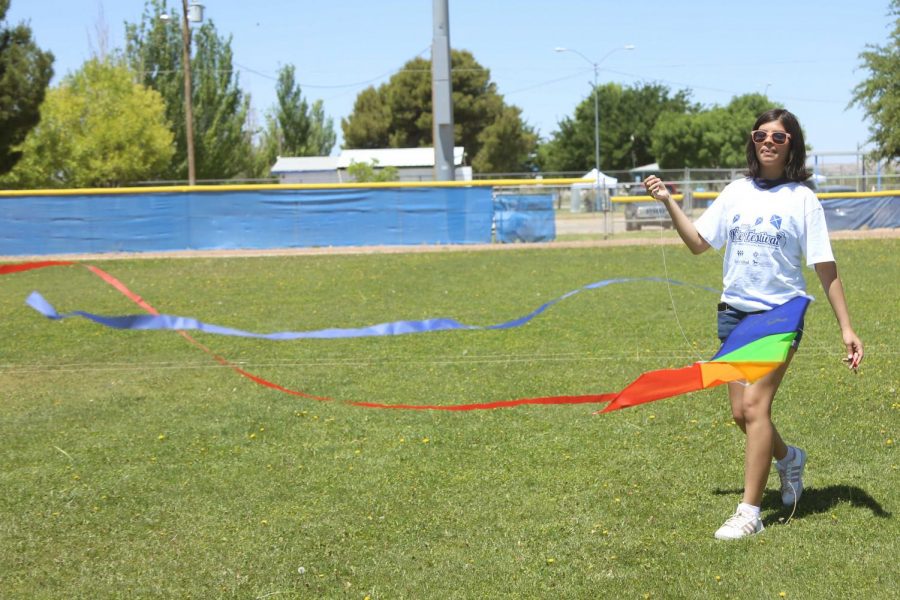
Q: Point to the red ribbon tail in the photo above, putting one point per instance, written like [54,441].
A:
[27,266]
[656,385]
[586,399]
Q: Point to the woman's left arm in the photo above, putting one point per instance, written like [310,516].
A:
[834,289]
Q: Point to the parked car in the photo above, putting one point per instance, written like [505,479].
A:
[646,210]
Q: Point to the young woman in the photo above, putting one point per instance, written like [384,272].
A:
[767,222]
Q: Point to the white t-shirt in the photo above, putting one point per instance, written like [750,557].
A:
[766,234]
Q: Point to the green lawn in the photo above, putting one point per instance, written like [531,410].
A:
[135,466]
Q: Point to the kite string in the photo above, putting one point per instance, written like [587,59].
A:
[691,347]
[662,247]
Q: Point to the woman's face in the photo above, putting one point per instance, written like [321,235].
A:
[772,157]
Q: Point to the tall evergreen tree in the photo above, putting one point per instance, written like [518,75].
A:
[507,145]
[292,114]
[220,107]
[25,72]
[293,127]
[322,136]
[369,125]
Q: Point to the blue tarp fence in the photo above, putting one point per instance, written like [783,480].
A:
[524,218]
[862,213]
[162,221]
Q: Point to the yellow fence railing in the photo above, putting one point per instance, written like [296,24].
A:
[295,186]
[714,195]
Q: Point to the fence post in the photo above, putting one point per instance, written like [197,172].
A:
[688,190]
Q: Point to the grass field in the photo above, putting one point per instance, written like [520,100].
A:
[134,466]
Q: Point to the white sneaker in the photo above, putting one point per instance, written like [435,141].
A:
[791,476]
[739,525]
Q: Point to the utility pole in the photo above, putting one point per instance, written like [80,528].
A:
[188,100]
[441,93]
[188,14]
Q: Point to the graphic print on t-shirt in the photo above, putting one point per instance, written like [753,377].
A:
[754,245]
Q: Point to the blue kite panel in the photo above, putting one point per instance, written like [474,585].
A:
[163,221]
[524,218]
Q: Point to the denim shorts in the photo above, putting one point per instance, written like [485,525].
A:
[729,317]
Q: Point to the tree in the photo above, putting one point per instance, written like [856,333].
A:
[507,144]
[365,172]
[879,95]
[292,114]
[398,114]
[322,136]
[293,128]
[25,72]
[97,129]
[627,117]
[369,125]
[220,107]
[710,138]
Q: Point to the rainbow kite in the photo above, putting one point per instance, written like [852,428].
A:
[757,346]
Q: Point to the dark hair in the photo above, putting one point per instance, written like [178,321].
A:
[795,168]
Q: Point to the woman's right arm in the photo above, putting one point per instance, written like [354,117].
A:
[680,221]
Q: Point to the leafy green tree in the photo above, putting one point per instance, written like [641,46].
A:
[293,128]
[879,95]
[627,117]
[710,138]
[398,114]
[365,172]
[98,129]
[25,72]
[222,146]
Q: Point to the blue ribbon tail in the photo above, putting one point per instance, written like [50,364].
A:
[174,322]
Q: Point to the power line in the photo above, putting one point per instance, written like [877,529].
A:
[720,90]
[339,85]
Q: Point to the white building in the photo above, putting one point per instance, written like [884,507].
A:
[306,169]
[412,164]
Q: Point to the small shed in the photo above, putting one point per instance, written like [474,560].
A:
[306,169]
[412,164]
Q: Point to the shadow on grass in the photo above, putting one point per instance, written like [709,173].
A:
[817,500]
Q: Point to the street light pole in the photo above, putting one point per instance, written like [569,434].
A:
[596,67]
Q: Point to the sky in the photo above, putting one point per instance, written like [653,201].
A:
[804,54]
